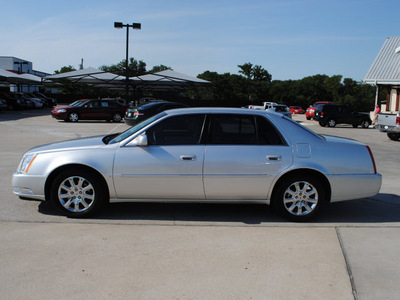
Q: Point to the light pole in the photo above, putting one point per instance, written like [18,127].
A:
[133,26]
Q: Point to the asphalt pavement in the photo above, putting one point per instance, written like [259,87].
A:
[195,251]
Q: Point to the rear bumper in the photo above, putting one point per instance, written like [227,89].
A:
[387,128]
[348,187]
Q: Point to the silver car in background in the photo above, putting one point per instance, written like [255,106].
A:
[201,155]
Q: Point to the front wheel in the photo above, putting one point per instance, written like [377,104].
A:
[73,117]
[299,197]
[78,193]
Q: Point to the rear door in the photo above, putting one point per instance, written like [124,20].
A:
[243,155]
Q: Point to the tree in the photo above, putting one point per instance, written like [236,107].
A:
[65,69]
[159,68]
[135,68]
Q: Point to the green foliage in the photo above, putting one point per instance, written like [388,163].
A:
[255,86]
[159,68]
[135,68]
[65,69]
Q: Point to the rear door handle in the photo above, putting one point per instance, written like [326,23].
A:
[188,157]
[274,157]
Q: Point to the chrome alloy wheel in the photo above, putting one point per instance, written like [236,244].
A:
[76,194]
[300,198]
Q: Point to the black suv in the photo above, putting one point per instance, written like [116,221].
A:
[331,114]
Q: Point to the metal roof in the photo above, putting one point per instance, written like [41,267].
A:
[386,66]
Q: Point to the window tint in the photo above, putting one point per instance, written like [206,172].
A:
[233,130]
[267,134]
[243,130]
[178,130]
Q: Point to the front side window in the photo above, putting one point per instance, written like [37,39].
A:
[177,130]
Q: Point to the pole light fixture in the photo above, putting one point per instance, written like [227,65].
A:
[136,26]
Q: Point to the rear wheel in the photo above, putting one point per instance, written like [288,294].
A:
[116,117]
[394,136]
[365,123]
[322,124]
[78,192]
[331,123]
[299,197]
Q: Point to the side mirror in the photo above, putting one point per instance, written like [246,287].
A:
[140,141]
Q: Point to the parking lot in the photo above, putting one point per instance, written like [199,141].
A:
[195,251]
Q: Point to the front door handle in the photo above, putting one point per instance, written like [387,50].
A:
[274,157]
[188,157]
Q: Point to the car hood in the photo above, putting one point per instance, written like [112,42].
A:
[61,107]
[76,144]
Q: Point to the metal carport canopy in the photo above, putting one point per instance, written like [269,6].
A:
[166,80]
[89,76]
[14,78]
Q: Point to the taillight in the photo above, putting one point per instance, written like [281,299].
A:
[398,120]
[322,113]
[372,158]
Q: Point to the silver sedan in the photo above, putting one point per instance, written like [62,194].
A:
[201,155]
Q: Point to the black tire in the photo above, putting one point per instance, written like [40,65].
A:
[308,118]
[393,136]
[78,193]
[299,197]
[331,123]
[365,123]
[322,124]
[116,117]
[73,117]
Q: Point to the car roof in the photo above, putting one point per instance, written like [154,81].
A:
[147,105]
[217,110]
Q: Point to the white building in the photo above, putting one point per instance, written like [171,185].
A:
[20,66]
[385,74]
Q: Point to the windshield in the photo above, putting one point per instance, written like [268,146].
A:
[135,128]
[78,103]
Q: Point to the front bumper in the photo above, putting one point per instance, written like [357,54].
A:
[28,186]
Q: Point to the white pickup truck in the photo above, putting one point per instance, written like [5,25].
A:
[389,123]
[265,106]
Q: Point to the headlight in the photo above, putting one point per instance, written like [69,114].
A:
[26,163]
[61,111]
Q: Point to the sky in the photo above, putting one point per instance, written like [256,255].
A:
[291,39]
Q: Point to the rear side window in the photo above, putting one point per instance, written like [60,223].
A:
[232,129]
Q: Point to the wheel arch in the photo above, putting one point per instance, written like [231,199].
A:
[63,168]
[304,171]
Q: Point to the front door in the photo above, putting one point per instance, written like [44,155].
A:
[170,167]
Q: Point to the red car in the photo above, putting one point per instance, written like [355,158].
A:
[90,109]
[311,110]
[296,110]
